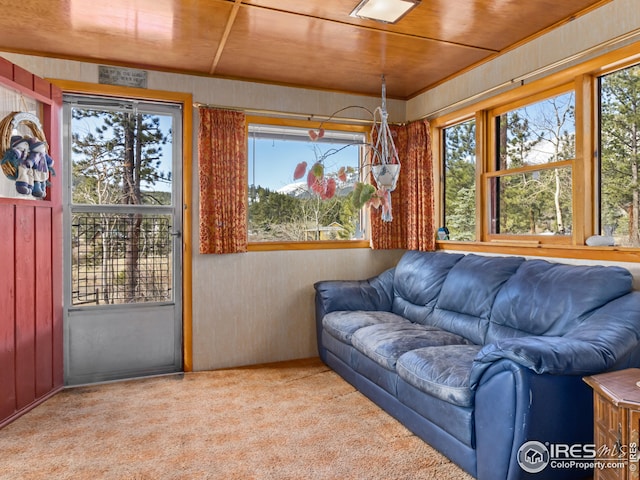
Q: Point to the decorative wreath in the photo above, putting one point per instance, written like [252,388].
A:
[7,126]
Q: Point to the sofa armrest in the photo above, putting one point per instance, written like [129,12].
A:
[373,294]
[554,355]
[515,405]
[608,339]
[338,295]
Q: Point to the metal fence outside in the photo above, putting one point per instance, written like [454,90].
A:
[121,258]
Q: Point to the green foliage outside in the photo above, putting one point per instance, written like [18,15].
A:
[619,156]
[460,180]
[117,157]
[281,217]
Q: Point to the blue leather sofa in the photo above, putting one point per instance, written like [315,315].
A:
[480,355]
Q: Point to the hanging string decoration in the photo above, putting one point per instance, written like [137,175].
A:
[385,165]
[383,161]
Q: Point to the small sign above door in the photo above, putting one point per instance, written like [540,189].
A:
[125,77]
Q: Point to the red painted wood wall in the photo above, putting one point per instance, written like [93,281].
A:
[31,343]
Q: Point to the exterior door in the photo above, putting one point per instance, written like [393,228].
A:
[30,256]
[123,221]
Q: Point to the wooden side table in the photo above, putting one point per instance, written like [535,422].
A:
[616,419]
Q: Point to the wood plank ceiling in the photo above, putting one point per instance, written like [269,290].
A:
[310,43]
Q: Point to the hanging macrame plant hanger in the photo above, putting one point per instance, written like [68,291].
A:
[385,164]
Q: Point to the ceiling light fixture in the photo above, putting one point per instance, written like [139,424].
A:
[386,11]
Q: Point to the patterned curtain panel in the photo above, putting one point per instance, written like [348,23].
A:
[222,161]
[412,200]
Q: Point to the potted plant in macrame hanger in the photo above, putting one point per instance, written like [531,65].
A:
[383,161]
[318,181]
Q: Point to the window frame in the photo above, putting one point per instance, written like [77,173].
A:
[597,138]
[539,238]
[582,77]
[360,127]
[492,170]
[440,192]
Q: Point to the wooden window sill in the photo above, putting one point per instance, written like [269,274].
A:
[318,245]
[532,248]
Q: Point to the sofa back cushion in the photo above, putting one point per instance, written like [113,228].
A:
[545,298]
[417,281]
[467,295]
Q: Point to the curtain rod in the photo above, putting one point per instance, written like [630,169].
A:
[292,115]
[522,78]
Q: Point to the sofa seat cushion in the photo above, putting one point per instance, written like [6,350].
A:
[442,372]
[384,343]
[343,324]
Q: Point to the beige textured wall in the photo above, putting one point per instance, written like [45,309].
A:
[259,307]
[255,307]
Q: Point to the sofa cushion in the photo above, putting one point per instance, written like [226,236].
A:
[468,293]
[441,371]
[545,298]
[417,281]
[343,324]
[384,343]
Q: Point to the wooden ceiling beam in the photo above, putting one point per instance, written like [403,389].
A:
[370,28]
[225,35]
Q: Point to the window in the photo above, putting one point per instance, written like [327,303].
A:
[459,151]
[122,208]
[285,208]
[557,164]
[531,187]
[620,156]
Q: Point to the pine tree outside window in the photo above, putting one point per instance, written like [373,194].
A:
[619,129]
[530,189]
[459,151]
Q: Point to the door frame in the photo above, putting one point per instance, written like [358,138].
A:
[186,99]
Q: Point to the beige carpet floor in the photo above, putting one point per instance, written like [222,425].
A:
[292,420]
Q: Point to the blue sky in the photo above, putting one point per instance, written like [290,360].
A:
[272,162]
